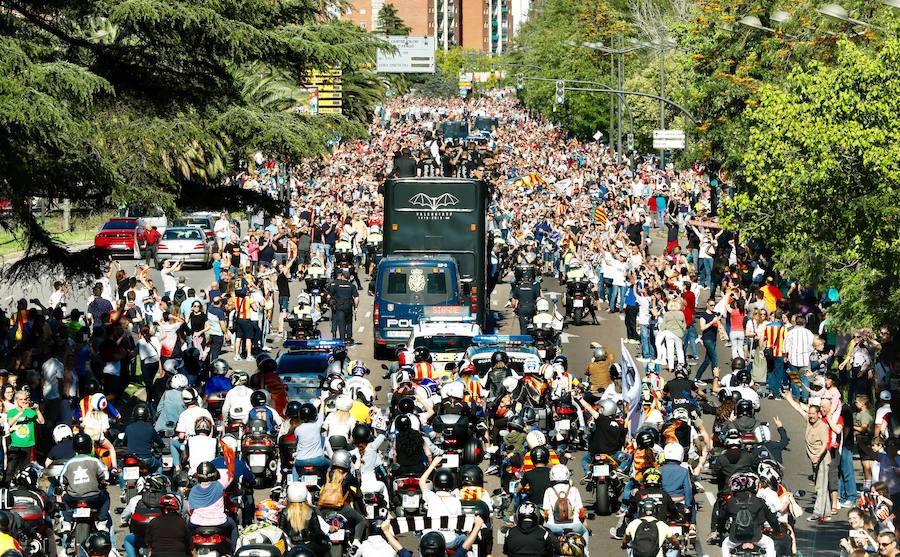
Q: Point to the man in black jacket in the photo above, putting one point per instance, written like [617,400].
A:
[528,538]
[404,165]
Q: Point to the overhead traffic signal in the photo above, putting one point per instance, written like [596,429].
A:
[520,82]
[560,91]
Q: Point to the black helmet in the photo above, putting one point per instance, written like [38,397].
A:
[562,360]
[91,387]
[406,406]
[362,433]
[98,543]
[443,480]
[220,367]
[499,357]
[743,377]
[471,475]
[339,352]
[265,363]
[140,413]
[203,426]
[433,544]
[300,551]
[647,506]
[27,478]
[680,371]
[738,363]
[292,410]
[516,423]
[527,514]
[207,472]
[11,553]
[744,408]
[308,412]
[422,354]
[258,398]
[6,521]
[403,422]
[540,455]
[645,439]
[83,444]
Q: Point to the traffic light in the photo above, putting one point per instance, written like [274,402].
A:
[520,82]
[560,91]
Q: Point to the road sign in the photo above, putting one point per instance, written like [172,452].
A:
[329,91]
[668,139]
[413,55]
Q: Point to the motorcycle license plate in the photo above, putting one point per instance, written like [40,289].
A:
[675,530]
[542,353]
[131,473]
[337,536]
[451,461]
[410,501]
[257,461]
[577,303]
[601,470]
[82,512]
[310,480]
[167,461]
[563,425]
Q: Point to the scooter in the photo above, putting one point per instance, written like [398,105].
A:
[338,533]
[211,541]
[132,469]
[408,496]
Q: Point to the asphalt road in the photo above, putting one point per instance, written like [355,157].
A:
[811,536]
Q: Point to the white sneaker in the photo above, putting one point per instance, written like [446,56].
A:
[237,358]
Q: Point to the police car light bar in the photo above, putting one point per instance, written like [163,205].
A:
[434,312]
[297,344]
[503,339]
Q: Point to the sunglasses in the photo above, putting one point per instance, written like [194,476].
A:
[884,544]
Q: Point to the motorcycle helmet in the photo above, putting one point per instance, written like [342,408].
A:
[169,504]
[99,402]
[156,483]
[771,470]
[239,378]
[681,414]
[529,415]
[559,473]
[471,475]
[341,459]
[83,444]
[297,493]
[738,363]
[433,544]
[647,506]
[258,398]
[743,377]
[680,371]
[743,481]
[98,544]
[343,403]
[404,375]
[535,439]
[308,412]
[268,511]
[645,439]
[60,432]
[454,389]
[540,455]
[173,366]
[542,306]
[615,372]
[499,357]
[220,367]
[652,477]
[733,438]
[516,423]
[27,478]
[336,385]
[362,433]
[673,452]
[339,353]
[527,515]
[203,426]
[207,472]
[265,363]
[359,370]
[140,413]
[443,480]
[744,408]
[300,551]
[561,360]
[292,410]
[192,353]
[599,354]
[406,406]
[190,396]
[421,354]
[608,407]
[403,423]
[510,384]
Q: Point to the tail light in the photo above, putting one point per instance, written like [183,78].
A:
[213,539]
[255,441]
[376,314]
[130,461]
[565,410]
[199,246]
[408,483]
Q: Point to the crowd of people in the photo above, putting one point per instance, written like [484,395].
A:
[647,238]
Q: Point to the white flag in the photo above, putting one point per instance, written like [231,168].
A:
[631,390]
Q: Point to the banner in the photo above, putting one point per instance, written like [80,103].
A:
[631,390]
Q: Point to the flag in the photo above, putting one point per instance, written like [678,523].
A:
[527,180]
[599,214]
[631,390]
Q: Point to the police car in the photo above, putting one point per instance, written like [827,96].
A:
[302,364]
[447,332]
[523,356]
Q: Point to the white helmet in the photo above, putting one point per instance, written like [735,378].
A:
[559,473]
[454,389]
[510,384]
[673,451]
[297,493]
[543,305]
[179,381]
[374,229]
[173,365]
[304,299]
[763,433]
[535,438]
[343,402]
[608,407]
[60,432]
[681,414]
[599,354]
[574,264]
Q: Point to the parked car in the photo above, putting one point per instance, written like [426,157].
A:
[205,222]
[117,235]
[189,243]
[152,216]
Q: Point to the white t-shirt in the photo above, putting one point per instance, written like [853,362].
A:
[438,506]
[552,495]
[149,351]
[170,283]
[52,371]
[189,417]
[643,317]
[237,403]
[201,448]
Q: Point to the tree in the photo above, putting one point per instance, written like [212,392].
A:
[822,180]
[390,22]
[151,102]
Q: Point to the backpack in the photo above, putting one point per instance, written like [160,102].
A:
[562,509]
[179,296]
[743,528]
[331,496]
[646,539]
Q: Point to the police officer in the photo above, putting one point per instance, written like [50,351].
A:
[344,299]
[524,301]
[343,258]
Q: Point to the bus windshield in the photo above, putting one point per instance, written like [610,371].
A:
[416,286]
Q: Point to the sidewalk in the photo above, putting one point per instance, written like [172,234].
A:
[12,257]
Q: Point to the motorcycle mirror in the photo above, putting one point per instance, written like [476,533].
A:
[377,388]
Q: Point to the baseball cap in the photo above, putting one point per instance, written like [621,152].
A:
[885,395]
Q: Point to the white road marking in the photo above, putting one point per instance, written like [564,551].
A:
[361,329]
[368,314]
[710,497]
[564,337]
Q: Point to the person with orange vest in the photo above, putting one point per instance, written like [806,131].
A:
[537,439]
[267,379]
[474,393]
[471,480]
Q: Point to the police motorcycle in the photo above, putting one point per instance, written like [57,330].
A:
[316,280]
[545,328]
[374,249]
[304,319]
[343,258]
[579,295]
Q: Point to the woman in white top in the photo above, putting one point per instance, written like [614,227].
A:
[148,347]
[338,423]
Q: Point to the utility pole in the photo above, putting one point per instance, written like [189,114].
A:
[662,105]
[620,86]
[612,102]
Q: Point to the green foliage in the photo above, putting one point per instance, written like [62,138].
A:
[390,22]
[822,180]
[363,90]
[151,101]
[644,110]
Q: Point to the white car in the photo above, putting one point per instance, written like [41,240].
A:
[446,340]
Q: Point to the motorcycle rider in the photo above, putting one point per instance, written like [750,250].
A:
[149,492]
[664,507]
[141,438]
[24,493]
[98,544]
[259,410]
[598,370]
[186,422]
[732,461]
[576,274]
[536,439]
[528,538]
[471,480]
[525,295]
[227,447]
[607,435]
[739,381]
[367,457]
[200,447]
[536,481]
[440,497]
[340,473]
[237,401]
[645,535]
[84,478]
[433,543]
[300,521]
[218,384]
[499,371]
[171,404]
[310,443]
[676,479]
[62,448]
[748,513]
[168,534]
[267,379]
[206,502]
[563,505]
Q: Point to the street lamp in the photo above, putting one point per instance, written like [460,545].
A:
[839,13]
[892,4]
[754,23]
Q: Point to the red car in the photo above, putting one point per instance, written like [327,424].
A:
[118,235]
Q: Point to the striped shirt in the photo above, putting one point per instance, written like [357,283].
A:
[798,346]
[774,335]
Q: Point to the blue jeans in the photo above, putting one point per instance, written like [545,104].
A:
[320,462]
[776,376]
[710,359]
[647,347]
[661,215]
[130,549]
[689,344]
[176,447]
[846,477]
[617,298]
[704,269]
[801,391]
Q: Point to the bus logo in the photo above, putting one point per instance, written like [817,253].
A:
[434,203]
